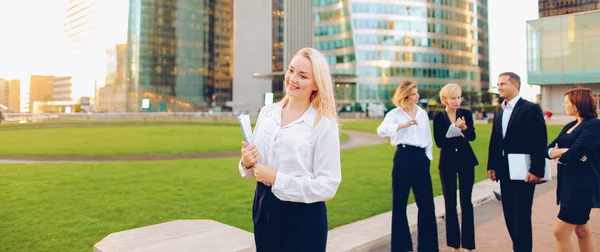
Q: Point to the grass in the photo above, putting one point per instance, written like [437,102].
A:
[100,122]
[70,207]
[122,140]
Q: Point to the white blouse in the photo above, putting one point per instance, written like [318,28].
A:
[306,159]
[416,135]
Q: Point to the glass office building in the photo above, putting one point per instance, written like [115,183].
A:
[179,54]
[549,8]
[562,52]
[372,45]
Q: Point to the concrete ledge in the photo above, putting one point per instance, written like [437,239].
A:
[179,235]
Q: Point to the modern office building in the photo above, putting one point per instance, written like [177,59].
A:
[563,52]
[41,89]
[63,89]
[267,34]
[4,94]
[91,27]
[112,97]
[82,20]
[179,54]
[549,8]
[14,96]
[379,43]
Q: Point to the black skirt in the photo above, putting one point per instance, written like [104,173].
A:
[287,226]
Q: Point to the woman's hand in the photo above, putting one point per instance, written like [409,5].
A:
[556,152]
[250,155]
[407,124]
[264,174]
[460,123]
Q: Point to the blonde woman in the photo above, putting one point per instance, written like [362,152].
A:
[408,128]
[295,159]
[457,159]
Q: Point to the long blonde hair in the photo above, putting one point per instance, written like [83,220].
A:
[403,92]
[323,99]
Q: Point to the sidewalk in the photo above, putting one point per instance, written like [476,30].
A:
[491,233]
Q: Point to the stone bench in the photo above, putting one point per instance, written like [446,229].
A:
[179,235]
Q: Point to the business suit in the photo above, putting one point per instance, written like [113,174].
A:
[525,133]
[579,182]
[457,158]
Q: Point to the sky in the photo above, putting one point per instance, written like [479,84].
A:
[507,38]
[33,39]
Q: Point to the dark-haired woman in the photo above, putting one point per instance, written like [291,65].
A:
[577,152]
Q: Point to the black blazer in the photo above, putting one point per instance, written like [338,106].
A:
[526,134]
[579,182]
[456,150]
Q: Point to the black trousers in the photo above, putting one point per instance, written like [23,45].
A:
[466,179]
[517,199]
[287,226]
[411,170]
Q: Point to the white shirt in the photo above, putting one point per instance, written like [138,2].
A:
[508,109]
[416,135]
[306,159]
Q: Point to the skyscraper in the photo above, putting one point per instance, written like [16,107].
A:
[549,8]
[267,35]
[378,43]
[371,45]
[91,27]
[179,54]
[84,49]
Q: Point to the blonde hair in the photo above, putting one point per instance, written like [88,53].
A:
[448,90]
[403,92]
[323,99]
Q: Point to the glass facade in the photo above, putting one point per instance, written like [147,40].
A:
[278,50]
[564,49]
[179,54]
[560,7]
[381,43]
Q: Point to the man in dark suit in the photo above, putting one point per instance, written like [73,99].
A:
[519,127]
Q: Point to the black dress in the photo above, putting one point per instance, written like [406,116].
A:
[578,188]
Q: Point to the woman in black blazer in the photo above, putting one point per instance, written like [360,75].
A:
[456,158]
[577,152]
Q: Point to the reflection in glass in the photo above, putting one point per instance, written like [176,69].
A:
[564,49]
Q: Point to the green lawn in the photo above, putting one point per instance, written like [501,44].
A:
[100,122]
[70,207]
[122,140]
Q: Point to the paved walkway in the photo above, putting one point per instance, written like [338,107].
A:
[356,139]
[491,232]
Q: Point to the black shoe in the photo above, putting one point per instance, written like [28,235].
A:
[498,196]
